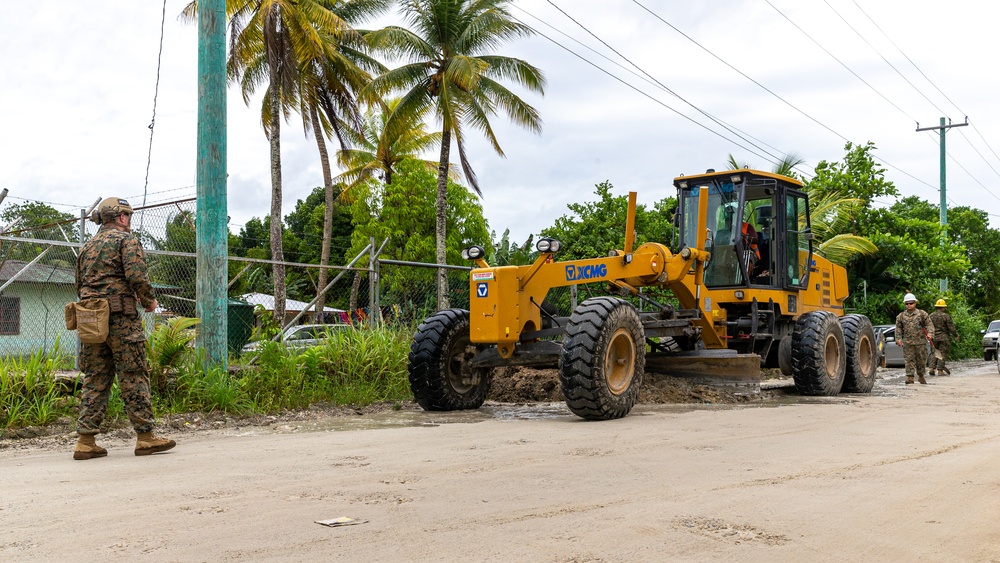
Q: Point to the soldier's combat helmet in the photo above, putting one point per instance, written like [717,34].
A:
[108,209]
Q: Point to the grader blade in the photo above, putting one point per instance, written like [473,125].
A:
[724,368]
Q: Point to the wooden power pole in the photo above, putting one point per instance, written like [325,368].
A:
[212,217]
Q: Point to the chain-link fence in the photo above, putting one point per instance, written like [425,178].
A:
[37,280]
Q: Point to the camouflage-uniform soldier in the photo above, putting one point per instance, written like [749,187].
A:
[944,331]
[913,330]
[112,265]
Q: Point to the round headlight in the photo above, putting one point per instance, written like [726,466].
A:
[555,246]
[473,252]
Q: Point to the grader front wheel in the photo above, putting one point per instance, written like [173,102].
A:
[603,358]
[440,376]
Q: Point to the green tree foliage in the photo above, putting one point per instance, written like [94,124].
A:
[38,220]
[508,253]
[178,274]
[910,255]
[969,228]
[596,227]
[251,242]
[304,240]
[403,212]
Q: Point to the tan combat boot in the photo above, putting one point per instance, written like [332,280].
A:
[922,380]
[87,448]
[146,443]
[909,380]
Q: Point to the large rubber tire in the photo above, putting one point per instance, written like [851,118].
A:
[440,376]
[819,357]
[785,355]
[603,359]
[862,356]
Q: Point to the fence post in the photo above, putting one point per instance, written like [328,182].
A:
[371,283]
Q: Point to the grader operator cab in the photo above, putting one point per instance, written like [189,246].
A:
[748,291]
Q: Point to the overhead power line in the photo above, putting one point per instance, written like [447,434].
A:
[834,57]
[655,100]
[660,84]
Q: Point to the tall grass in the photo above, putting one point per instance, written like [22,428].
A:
[356,367]
[29,392]
[351,367]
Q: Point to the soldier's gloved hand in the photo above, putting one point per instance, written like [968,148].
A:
[152,307]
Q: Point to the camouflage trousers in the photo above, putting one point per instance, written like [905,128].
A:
[915,359]
[933,363]
[100,363]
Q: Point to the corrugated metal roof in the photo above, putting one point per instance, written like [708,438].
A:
[291,305]
[37,273]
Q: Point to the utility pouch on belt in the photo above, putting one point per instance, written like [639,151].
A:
[115,304]
[89,317]
[122,304]
[128,306]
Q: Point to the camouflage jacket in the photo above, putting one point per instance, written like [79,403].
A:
[944,327]
[113,263]
[910,327]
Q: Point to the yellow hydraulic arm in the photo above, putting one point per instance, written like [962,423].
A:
[506,301]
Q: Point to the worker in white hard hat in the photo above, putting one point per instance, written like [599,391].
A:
[944,331]
[913,330]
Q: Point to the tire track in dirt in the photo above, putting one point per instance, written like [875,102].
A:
[855,467]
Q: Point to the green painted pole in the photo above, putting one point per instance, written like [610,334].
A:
[942,129]
[212,217]
[943,282]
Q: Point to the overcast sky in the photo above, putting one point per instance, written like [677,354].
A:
[78,82]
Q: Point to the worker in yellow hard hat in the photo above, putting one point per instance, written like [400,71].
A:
[944,331]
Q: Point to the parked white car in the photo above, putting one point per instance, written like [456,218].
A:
[990,340]
[302,336]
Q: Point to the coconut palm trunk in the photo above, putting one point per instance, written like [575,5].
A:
[278,267]
[324,259]
[440,221]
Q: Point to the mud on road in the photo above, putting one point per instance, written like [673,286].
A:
[906,473]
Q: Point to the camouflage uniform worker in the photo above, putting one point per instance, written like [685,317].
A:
[913,330]
[113,265]
[944,331]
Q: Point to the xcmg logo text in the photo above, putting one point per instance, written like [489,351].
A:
[586,272]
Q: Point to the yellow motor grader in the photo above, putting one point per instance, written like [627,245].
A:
[750,291]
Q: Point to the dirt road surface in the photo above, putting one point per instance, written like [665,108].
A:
[909,473]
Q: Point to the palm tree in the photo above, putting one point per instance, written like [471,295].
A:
[268,40]
[452,72]
[785,167]
[375,153]
[329,105]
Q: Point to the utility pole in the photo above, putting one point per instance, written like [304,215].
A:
[942,129]
[212,231]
